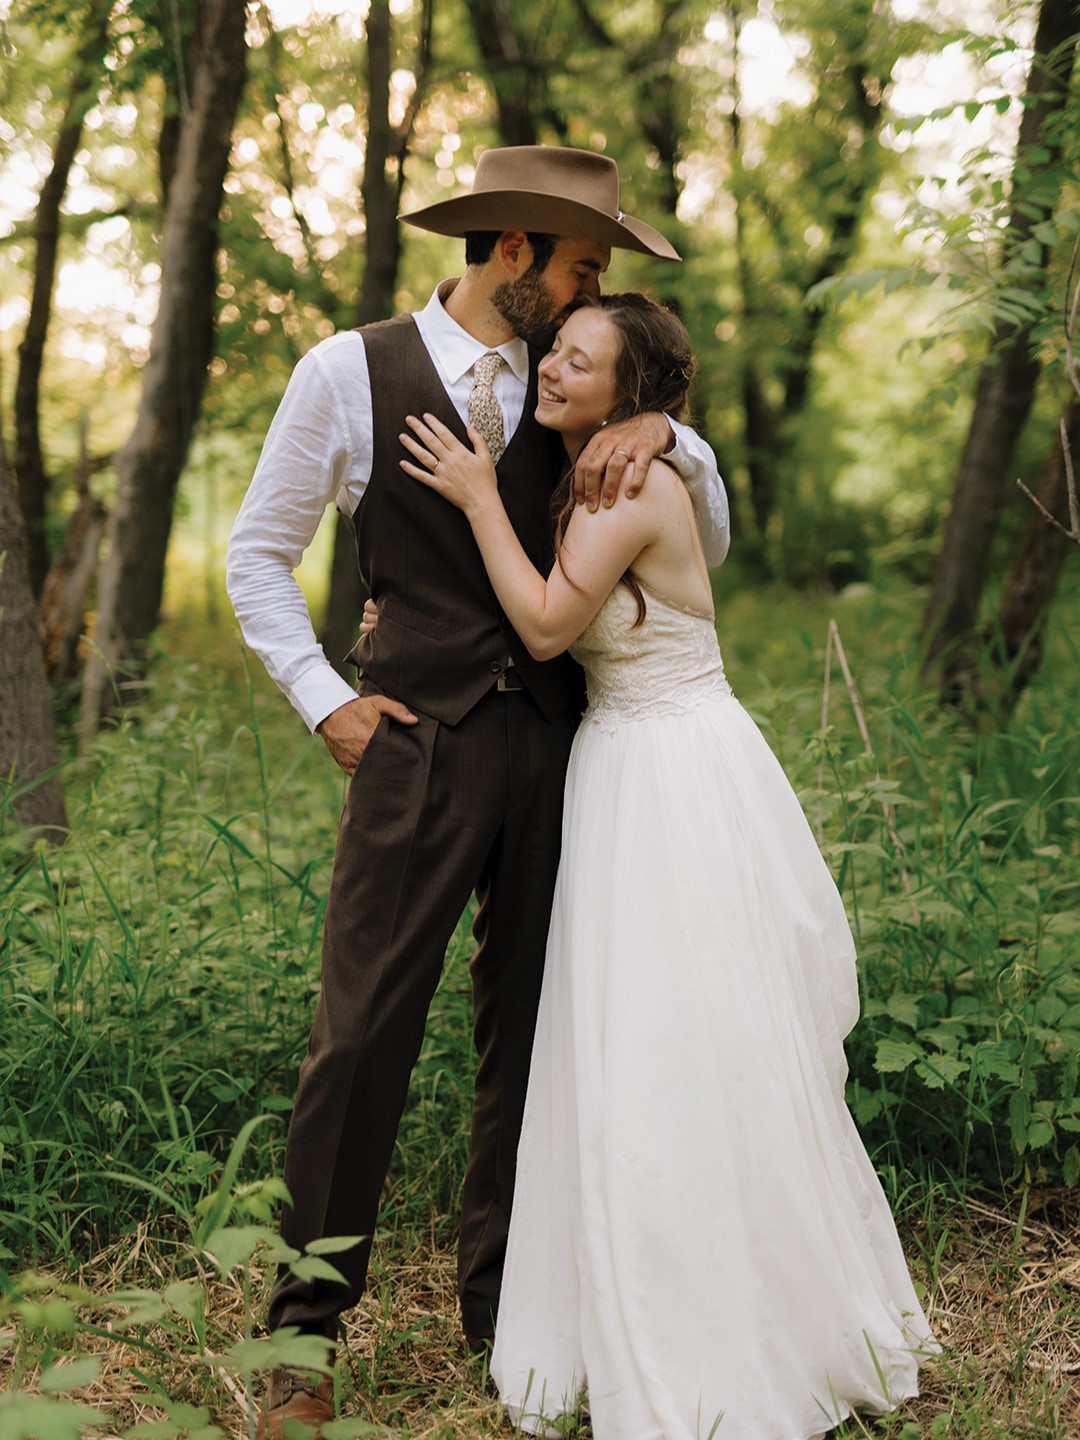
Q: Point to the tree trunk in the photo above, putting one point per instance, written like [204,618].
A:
[758,422]
[28,757]
[62,607]
[663,102]
[381,192]
[1007,383]
[516,75]
[150,462]
[855,96]
[30,472]
[1036,568]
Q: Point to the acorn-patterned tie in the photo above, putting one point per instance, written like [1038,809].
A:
[485,412]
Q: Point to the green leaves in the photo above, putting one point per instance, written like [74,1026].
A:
[895,1055]
[68,1375]
[234,1245]
[41,1417]
[858,284]
[49,1416]
[282,1348]
[181,1422]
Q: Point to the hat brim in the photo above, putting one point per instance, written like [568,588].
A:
[547,214]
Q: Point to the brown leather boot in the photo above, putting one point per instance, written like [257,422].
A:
[295,1398]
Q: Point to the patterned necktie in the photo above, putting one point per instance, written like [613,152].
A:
[485,412]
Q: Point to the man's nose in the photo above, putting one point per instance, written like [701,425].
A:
[590,285]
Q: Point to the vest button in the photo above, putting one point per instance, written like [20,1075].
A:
[495,667]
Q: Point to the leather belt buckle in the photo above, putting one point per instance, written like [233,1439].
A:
[509,682]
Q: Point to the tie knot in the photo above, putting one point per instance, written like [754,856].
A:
[487,367]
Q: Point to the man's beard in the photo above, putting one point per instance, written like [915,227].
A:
[526,305]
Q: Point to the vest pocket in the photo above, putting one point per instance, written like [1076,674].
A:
[398,613]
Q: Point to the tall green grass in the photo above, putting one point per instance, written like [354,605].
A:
[158,974]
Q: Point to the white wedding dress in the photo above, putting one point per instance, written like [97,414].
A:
[698,1240]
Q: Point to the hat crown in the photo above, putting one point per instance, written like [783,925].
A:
[544,188]
[566,174]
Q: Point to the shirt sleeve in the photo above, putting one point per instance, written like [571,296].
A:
[311,451]
[696,463]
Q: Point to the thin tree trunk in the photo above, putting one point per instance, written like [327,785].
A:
[150,463]
[1036,569]
[62,607]
[1007,383]
[860,172]
[757,420]
[27,738]
[30,472]
[768,428]
[515,74]
[380,189]
[662,92]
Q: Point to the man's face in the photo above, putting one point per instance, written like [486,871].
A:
[538,302]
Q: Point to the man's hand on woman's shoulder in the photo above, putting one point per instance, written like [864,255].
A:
[617,458]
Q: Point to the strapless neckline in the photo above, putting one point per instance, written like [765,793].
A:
[668,663]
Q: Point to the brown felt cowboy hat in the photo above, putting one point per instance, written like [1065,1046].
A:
[545,188]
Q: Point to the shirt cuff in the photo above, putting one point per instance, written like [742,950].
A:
[320,692]
[676,450]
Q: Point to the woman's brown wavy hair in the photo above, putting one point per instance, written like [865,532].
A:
[653,372]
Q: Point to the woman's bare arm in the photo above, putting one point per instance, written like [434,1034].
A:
[597,548]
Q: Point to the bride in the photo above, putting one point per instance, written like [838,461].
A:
[699,1242]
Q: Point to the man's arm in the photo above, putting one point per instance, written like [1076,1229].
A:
[696,463]
[303,463]
[618,457]
[311,451]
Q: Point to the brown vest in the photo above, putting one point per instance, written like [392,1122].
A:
[442,638]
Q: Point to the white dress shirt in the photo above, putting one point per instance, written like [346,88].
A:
[319,449]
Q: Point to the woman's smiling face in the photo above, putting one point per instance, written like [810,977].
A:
[577,377]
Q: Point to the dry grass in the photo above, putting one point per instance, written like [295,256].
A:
[1006,1306]
[1004,1291]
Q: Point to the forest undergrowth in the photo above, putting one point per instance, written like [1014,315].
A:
[158,976]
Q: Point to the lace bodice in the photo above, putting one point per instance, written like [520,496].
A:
[668,663]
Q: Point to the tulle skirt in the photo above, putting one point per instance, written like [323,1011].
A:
[699,1240]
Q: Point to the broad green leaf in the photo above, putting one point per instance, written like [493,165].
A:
[937,1071]
[43,1417]
[235,1244]
[895,1055]
[184,1298]
[905,1009]
[284,1348]
[333,1244]
[313,1267]
[1040,1133]
[70,1374]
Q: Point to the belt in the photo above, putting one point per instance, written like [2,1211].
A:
[509,682]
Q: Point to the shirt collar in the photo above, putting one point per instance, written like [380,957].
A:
[456,349]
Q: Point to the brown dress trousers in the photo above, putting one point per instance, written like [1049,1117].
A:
[468,799]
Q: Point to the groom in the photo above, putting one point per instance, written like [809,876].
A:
[457,741]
